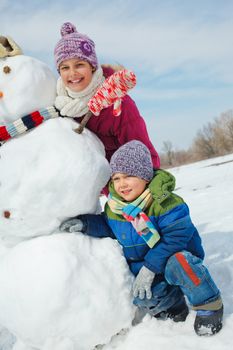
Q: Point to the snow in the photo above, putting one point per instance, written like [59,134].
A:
[68,291]
[56,290]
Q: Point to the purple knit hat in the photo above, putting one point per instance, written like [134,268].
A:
[74,45]
[133,158]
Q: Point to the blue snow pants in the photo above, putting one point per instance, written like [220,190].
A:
[186,275]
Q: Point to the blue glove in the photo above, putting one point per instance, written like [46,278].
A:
[72,225]
[142,283]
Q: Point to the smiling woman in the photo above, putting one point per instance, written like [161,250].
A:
[80,77]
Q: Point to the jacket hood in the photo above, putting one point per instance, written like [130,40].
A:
[162,184]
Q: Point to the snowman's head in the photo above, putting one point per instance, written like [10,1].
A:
[26,84]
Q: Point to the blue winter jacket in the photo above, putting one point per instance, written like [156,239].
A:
[170,216]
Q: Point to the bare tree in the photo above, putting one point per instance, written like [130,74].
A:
[168,150]
[212,140]
[226,123]
[204,143]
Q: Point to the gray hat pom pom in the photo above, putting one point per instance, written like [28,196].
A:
[68,28]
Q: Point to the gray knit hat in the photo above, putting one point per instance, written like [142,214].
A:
[133,158]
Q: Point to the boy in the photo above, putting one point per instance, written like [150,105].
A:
[160,242]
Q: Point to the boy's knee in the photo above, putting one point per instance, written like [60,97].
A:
[175,266]
[180,258]
[183,267]
[173,261]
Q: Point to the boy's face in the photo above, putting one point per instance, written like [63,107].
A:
[76,74]
[127,186]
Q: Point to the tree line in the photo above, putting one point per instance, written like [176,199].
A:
[214,139]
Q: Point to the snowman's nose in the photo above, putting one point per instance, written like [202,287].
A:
[1,94]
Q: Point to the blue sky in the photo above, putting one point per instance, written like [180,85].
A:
[180,50]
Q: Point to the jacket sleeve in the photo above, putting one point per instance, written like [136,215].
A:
[131,126]
[96,225]
[176,230]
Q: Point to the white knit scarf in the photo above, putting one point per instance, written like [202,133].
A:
[74,104]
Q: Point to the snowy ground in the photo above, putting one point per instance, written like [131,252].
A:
[207,188]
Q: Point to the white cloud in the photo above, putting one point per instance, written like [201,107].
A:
[160,44]
[152,94]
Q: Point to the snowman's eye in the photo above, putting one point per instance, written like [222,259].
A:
[6,69]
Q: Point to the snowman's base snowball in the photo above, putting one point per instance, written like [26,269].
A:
[65,289]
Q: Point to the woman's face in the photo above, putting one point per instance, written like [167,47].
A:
[76,74]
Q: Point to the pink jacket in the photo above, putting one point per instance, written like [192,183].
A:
[116,131]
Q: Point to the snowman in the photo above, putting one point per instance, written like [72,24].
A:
[58,291]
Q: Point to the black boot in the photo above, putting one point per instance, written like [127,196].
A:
[178,312]
[208,322]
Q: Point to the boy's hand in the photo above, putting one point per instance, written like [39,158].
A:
[72,225]
[142,283]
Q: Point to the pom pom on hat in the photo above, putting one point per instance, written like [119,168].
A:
[74,45]
[133,158]
[68,28]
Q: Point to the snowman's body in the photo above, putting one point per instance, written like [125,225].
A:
[58,291]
